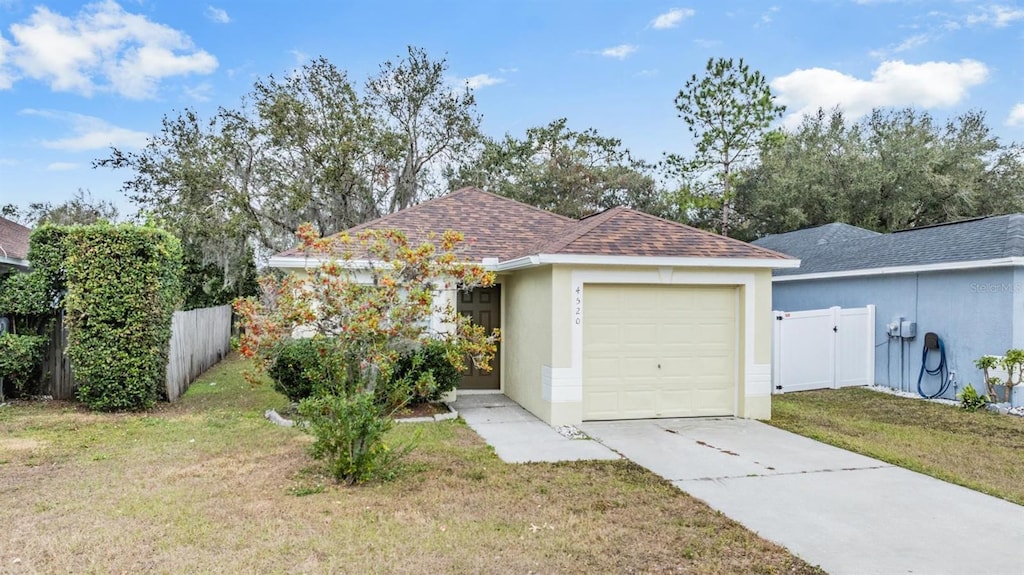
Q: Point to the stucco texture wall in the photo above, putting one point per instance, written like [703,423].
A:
[974,312]
[526,338]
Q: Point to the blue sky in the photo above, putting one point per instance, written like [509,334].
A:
[78,77]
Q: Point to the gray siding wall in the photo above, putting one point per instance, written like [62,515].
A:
[974,312]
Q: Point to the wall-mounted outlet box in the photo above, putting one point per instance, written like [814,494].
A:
[908,329]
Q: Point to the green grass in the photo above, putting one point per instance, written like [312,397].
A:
[980,450]
[208,486]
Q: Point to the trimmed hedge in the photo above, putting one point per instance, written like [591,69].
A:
[123,285]
[431,357]
[21,357]
[302,366]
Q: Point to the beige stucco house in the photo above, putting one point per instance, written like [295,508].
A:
[620,315]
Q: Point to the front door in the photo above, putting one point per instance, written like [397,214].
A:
[483,306]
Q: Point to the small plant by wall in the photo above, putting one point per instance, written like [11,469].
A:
[1012,363]
[123,285]
[970,400]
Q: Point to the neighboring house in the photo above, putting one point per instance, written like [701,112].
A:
[13,245]
[616,316]
[964,281]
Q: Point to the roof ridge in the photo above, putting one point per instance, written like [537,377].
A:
[700,231]
[580,228]
[508,199]
[15,224]
[460,191]
[1014,235]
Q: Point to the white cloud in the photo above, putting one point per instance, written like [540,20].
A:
[199,92]
[893,83]
[1016,117]
[89,132]
[908,44]
[647,73]
[481,81]
[103,48]
[768,17]
[996,15]
[217,15]
[299,56]
[621,52]
[508,70]
[61,166]
[6,76]
[672,18]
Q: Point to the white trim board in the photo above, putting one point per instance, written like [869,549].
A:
[945,266]
[678,262]
[303,262]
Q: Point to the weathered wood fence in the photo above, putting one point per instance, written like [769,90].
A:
[60,384]
[199,339]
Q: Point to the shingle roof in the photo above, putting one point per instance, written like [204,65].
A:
[13,240]
[498,227]
[494,226]
[803,240]
[621,231]
[978,239]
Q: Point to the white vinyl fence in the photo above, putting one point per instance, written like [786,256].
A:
[199,339]
[823,349]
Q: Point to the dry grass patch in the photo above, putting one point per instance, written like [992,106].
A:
[207,485]
[979,450]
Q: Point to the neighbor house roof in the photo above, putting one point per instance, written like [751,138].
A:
[13,243]
[808,239]
[498,228]
[995,240]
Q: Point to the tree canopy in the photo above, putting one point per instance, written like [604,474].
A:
[310,147]
[558,169]
[892,170]
[728,111]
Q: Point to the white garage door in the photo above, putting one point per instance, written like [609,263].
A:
[658,351]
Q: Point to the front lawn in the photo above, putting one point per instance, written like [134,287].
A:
[980,450]
[208,486]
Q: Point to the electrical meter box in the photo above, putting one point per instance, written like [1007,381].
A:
[892,329]
[908,329]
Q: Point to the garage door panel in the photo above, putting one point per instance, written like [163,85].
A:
[659,351]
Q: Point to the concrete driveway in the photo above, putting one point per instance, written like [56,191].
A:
[848,513]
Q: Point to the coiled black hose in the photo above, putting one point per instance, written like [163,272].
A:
[940,370]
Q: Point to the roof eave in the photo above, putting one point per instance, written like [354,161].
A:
[891,270]
[16,262]
[670,261]
[309,262]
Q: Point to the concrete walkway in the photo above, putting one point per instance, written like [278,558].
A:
[847,513]
[517,436]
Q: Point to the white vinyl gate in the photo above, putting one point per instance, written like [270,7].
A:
[823,348]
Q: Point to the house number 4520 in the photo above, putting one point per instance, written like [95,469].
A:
[579,305]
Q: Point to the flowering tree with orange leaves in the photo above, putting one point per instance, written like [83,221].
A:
[367,298]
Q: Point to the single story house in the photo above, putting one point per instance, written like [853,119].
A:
[963,281]
[619,315]
[13,245]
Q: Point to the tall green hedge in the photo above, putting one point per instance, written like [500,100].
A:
[123,285]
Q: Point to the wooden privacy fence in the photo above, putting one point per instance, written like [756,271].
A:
[199,339]
[60,384]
